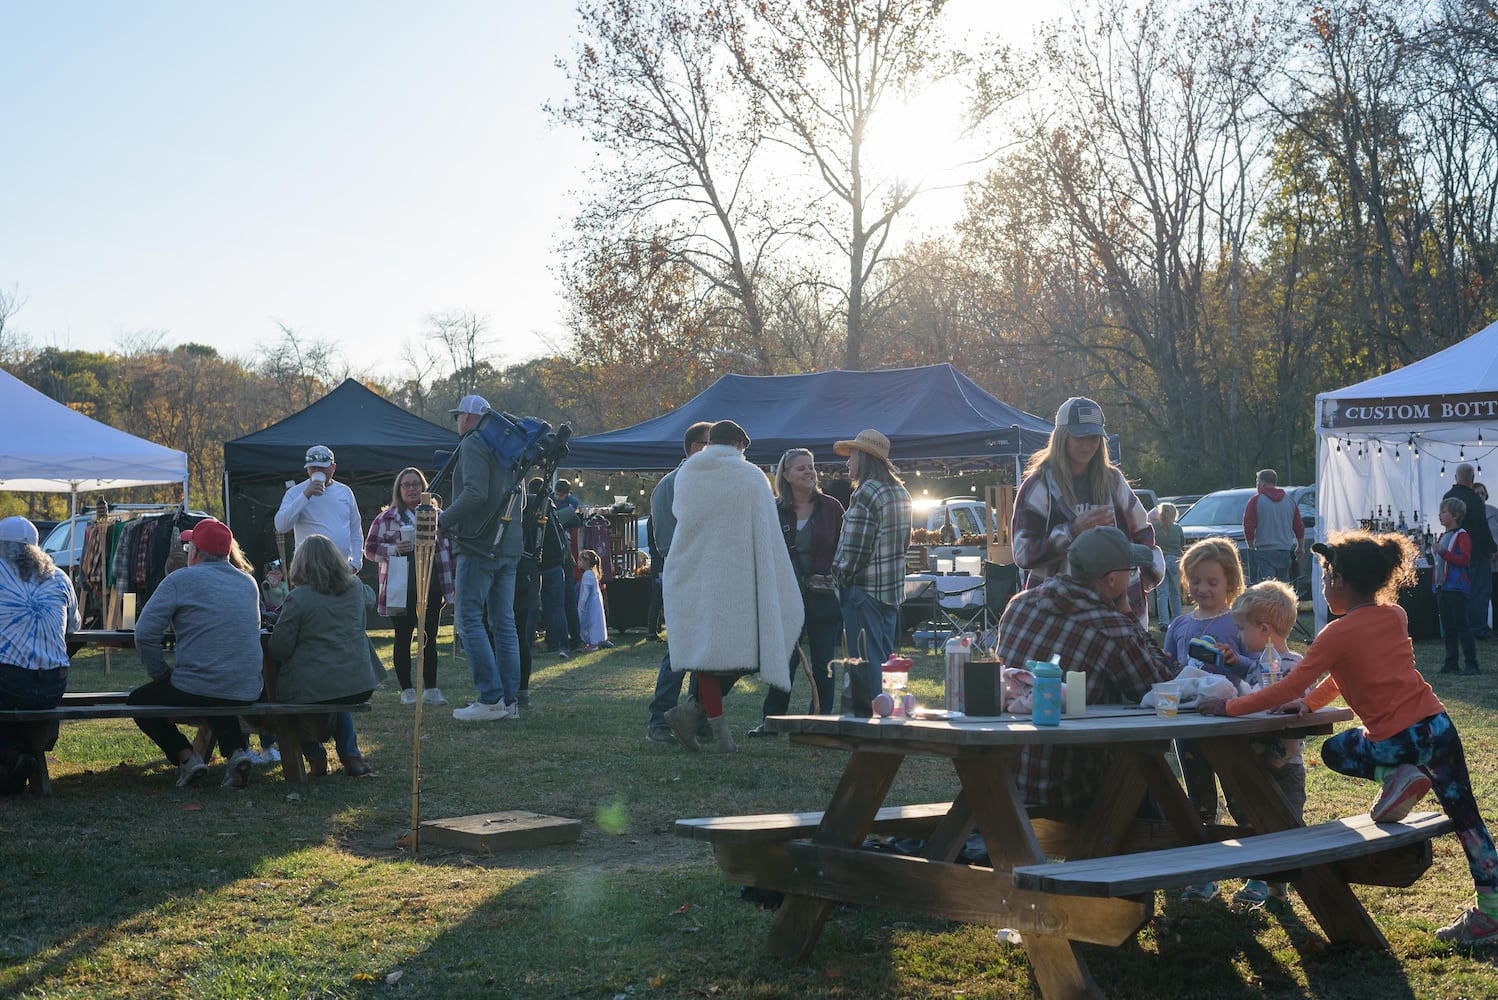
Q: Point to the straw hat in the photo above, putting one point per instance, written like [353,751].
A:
[870,442]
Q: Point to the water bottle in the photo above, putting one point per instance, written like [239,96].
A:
[956,652]
[1269,665]
[1046,698]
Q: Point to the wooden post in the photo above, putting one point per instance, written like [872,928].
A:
[426,548]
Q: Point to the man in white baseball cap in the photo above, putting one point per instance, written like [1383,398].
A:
[320,506]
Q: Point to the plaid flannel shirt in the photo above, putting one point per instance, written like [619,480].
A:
[876,534]
[381,543]
[1121,662]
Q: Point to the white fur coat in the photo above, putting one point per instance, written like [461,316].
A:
[732,602]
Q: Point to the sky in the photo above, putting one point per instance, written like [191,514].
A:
[210,172]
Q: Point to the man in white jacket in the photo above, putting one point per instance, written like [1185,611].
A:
[733,606]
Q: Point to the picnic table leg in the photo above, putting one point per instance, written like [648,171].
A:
[38,736]
[288,732]
[1327,895]
[1055,962]
[848,819]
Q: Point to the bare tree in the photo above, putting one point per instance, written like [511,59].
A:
[298,369]
[822,70]
[15,348]
[681,148]
[465,337]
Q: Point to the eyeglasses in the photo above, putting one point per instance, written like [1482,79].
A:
[411,484]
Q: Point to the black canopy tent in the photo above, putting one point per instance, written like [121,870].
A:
[934,416]
[371,437]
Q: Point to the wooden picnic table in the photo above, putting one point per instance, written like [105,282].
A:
[817,860]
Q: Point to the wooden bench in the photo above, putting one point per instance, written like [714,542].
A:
[1393,854]
[892,821]
[40,726]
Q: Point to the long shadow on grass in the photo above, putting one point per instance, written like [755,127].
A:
[115,854]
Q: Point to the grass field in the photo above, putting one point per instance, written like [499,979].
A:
[122,885]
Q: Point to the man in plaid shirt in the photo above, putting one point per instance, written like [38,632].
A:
[869,564]
[1075,614]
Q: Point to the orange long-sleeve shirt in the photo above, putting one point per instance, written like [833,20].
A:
[1368,659]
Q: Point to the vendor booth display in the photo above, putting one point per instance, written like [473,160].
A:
[1386,447]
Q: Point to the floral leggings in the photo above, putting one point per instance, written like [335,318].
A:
[1434,746]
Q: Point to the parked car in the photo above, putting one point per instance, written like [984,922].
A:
[55,542]
[1221,514]
[1147,498]
[1183,503]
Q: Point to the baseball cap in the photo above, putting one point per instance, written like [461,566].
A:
[318,456]
[471,404]
[17,529]
[1104,549]
[1081,417]
[210,535]
[563,486]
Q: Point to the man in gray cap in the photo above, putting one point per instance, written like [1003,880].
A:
[321,506]
[1076,614]
[487,549]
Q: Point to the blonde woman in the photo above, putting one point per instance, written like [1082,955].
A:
[322,649]
[1070,486]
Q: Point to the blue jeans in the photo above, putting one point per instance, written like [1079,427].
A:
[22,688]
[554,607]
[824,626]
[668,691]
[1482,590]
[1167,596]
[871,626]
[486,589]
[1271,564]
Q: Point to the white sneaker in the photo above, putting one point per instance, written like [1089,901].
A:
[480,712]
[512,710]
[191,771]
[237,774]
[408,696]
[431,696]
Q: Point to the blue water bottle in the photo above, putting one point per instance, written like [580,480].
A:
[1046,697]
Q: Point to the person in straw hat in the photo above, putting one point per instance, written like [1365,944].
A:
[869,565]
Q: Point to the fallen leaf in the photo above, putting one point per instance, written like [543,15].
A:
[684,907]
[363,977]
[394,977]
[192,807]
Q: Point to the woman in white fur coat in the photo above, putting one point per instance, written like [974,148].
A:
[732,602]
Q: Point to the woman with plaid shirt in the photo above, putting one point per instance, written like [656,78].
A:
[870,562]
[384,541]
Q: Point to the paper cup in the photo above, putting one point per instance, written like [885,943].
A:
[319,477]
[1167,699]
[408,533]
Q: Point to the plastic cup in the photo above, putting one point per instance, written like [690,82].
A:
[1167,699]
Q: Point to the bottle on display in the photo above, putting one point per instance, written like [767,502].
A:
[1046,695]
[948,533]
[1403,527]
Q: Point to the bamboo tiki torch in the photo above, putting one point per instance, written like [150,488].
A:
[426,548]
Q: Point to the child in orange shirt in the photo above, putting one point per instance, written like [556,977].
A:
[1407,741]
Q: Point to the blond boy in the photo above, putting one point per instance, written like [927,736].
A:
[1265,613]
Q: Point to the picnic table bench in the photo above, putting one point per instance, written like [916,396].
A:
[1103,893]
[284,719]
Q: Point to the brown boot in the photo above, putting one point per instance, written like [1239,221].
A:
[683,721]
[722,738]
[354,767]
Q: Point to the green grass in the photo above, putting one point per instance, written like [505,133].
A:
[121,885]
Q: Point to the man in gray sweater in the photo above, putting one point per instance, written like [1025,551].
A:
[213,611]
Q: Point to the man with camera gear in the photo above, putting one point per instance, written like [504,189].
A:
[487,548]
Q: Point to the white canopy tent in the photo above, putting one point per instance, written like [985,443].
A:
[49,447]
[1390,443]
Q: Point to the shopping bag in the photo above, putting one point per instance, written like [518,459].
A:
[397,583]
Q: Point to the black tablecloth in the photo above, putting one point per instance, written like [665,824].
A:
[1420,605]
[628,601]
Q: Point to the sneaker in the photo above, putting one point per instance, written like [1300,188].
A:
[191,771]
[408,696]
[1201,892]
[272,754]
[237,774]
[659,734]
[1403,787]
[1254,893]
[479,712]
[512,709]
[431,696]
[562,654]
[589,647]
[1473,927]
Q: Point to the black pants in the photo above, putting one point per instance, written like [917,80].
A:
[166,735]
[405,627]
